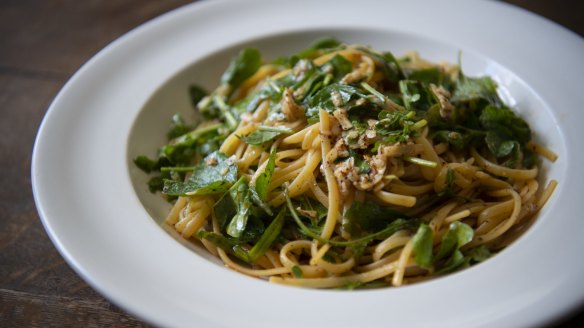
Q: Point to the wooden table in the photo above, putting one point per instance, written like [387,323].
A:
[42,43]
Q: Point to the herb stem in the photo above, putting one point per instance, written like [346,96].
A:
[372,90]
[274,86]
[177,168]
[390,177]
[420,124]
[275,129]
[195,134]
[392,228]
[420,161]
[224,108]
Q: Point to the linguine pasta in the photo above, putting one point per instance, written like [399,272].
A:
[344,167]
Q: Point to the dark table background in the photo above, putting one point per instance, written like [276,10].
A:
[42,43]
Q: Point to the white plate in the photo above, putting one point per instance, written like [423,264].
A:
[96,209]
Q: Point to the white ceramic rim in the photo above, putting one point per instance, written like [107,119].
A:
[88,207]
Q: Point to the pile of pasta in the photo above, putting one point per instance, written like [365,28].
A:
[438,190]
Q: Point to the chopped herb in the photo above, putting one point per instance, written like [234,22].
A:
[368,216]
[145,164]
[458,235]
[268,237]
[478,254]
[214,175]
[242,67]
[473,89]
[420,161]
[258,137]
[323,98]
[393,227]
[242,199]
[197,94]
[506,131]
[263,180]
[423,246]
[297,272]
[177,127]
[264,134]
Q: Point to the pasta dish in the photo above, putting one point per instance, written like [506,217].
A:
[345,167]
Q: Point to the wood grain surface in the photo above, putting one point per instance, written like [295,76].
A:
[42,43]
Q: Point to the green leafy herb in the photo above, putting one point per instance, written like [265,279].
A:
[423,246]
[155,184]
[459,140]
[177,127]
[242,199]
[145,164]
[259,137]
[368,216]
[458,235]
[264,134]
[214,175]
[259,191]
[268,237]
[362,285]
[505,130]
[180,151]
[473,89]
[478,254]
[363,166]
[453,263]
[233,244]
[197,94]
[396,126]
[228,244]
[530,159]
[429,75]
[341,66]
[318,47]
[312,209]
[416,95]
[263,180]
[389,64]
[226,111]
[270,90]
[323,98]
[393,227]
[247,62]
[297,272]
[226,207]
[191,137]
[325,43]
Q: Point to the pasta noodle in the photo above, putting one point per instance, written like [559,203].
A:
[344,167]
